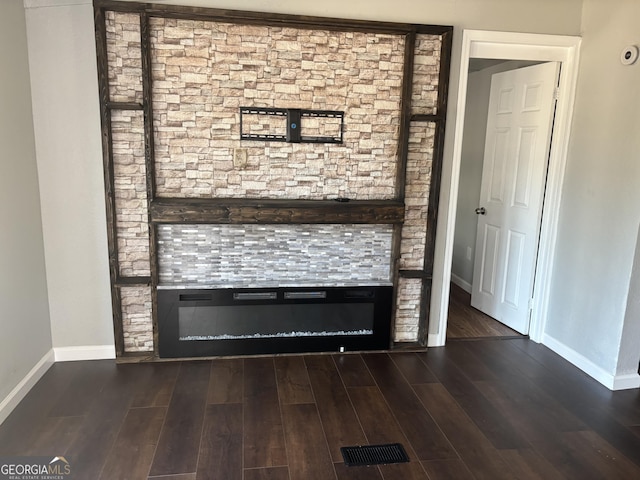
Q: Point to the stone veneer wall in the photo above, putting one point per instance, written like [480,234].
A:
[414,229]
[130,189]
[124,57]
[239,256]
[407,309]
[426,71]
[137,324]
[127,130]
[202,73]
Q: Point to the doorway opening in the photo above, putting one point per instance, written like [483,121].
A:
[498,47]
[505,151]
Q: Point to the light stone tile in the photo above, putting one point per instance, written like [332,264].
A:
[241,256]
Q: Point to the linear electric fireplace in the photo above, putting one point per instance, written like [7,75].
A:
[208,322]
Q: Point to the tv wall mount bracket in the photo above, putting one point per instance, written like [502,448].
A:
[295,120]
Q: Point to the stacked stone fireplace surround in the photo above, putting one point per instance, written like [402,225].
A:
[202,72]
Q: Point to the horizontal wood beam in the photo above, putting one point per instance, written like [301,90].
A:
[427,117]
[124,106]
[237,211]
[132,281]
[415,274]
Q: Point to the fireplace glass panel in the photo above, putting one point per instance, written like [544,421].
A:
[225,322]
[203,322]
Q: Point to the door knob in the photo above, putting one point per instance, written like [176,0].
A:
[481,211]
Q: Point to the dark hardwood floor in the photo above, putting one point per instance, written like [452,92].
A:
[465,322]
[487,409]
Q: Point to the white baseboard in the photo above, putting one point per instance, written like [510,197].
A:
[626,382]
[434,340]
[20,391]
[86,352]
[462,283]
[612,382]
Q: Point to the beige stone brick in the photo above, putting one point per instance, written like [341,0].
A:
[136,319]
[123,50]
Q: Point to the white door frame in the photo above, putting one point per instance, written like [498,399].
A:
[508,46]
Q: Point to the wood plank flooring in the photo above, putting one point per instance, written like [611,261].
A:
[487,409]
[465,322]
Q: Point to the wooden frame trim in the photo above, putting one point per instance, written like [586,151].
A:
[434,190]
[438,153]
[414,274]
[150,169]
[108,171]
[427,117]
[405,113]
[230,211]
[124,106]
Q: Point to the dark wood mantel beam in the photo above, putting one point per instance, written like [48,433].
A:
[181,210]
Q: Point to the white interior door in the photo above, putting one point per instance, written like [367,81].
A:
[519,122]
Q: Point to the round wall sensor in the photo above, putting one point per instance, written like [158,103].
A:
[629,55]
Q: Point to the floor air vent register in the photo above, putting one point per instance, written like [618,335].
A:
[368,455]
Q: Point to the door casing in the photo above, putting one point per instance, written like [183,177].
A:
[507,46]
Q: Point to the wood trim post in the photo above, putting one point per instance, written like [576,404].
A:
[434,191]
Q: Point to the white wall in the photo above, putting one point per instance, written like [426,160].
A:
[600,211]
[65,96]
[67,127]
[541,16]
[25,332]
[630,343]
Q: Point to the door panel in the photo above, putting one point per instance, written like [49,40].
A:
[490,250]
[505,102]
[498,166]
[524,166]
[519,122]
[532,98]
[513,268]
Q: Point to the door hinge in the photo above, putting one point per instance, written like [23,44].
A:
[530,304]
[556,93]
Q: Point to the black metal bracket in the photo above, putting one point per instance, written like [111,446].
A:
[294,126]
[295,121]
